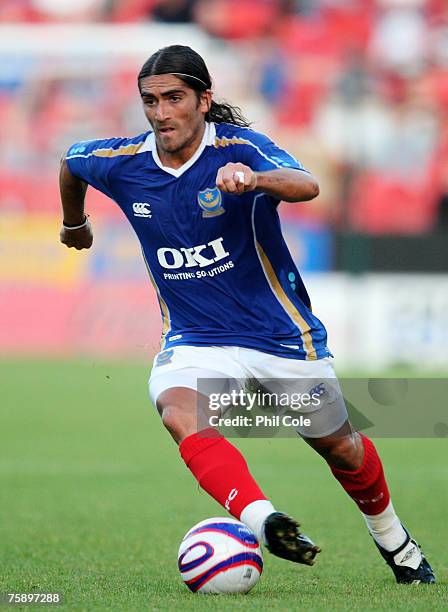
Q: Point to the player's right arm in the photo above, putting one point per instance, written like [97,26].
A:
[76,231]
[85,163]
[265,167]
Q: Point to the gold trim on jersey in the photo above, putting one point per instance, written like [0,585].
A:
[166,319]
[130,149]
[284,300]
[225,142]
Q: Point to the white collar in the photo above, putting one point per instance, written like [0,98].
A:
[208,139]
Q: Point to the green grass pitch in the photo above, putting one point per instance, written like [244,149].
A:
[95,500]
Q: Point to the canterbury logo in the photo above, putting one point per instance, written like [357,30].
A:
[141,209]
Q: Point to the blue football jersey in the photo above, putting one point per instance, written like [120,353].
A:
[218,262]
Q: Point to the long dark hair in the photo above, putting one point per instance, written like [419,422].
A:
[189,66]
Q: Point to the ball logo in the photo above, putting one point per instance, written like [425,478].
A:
[210,200]
[207,552]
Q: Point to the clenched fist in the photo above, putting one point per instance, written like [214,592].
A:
[229,178]
[79,239]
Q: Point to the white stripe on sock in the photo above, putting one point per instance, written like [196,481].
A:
[386,528]
[254,516]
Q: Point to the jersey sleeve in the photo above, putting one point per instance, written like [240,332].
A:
[91,162]
[262,154]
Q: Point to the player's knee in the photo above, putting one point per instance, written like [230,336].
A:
[170,418]
[177,421]
[178,410]
[345,453]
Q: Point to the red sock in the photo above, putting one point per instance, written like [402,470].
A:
[367,485]
[221,470]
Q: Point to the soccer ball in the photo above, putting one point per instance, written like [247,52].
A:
[220,555]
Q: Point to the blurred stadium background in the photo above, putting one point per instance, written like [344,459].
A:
[356,89]
[94,499]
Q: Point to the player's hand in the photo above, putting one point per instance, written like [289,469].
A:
[229,178]
[79,239]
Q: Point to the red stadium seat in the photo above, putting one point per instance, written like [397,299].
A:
[300,101]
[236,19]
[16,11]
[25,192]
[133,10]
[351,26]
[301,36]
[388,205]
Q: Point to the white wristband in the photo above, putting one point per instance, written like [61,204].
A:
[76,227]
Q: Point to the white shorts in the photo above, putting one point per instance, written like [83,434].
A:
[184,366]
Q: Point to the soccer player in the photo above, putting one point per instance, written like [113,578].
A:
[201,191]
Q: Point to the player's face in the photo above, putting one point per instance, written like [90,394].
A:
[174,112]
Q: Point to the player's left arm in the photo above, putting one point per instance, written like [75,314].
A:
[287,184]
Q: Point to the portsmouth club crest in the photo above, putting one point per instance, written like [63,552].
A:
[164,357]
[210,200]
